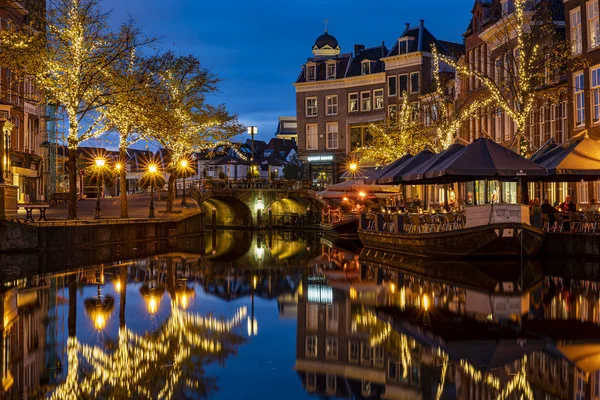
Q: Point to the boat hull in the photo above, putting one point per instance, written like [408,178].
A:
[346,229]
[503,240]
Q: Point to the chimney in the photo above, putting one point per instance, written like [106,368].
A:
[407,25]
[383,53]
[422,22]
[358,48]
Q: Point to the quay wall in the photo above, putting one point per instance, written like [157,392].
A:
[62,235]
[571,245]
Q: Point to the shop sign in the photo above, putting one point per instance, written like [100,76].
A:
[320,158]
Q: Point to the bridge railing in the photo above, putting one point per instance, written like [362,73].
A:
[207,185]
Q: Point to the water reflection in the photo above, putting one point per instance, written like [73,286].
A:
[188,323]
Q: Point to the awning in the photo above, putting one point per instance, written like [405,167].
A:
[388,168]
[578,161]
[419,171]
[484,159]
[394,175]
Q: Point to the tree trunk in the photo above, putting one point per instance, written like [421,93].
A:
[72,319]
[72,166]
[123,182]
[123,295]
[170,192]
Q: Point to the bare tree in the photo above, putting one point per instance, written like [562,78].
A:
[73,60]
[528,52]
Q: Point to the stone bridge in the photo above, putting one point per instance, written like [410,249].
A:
[244,206]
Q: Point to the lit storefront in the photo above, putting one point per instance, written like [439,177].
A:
[322,170]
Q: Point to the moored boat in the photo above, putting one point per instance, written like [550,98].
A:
[504,233]
[346,228]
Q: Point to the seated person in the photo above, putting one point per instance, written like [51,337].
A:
[568,205]
[593,207]
[548,209]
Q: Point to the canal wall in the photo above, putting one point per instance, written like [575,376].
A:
[571,244]
[57,235]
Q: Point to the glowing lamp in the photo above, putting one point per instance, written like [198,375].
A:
[118,166]
[118,286]
[353,167]
[362,194]
[100,162]
[152,305]
[99,321]
[152,168]
[184,163]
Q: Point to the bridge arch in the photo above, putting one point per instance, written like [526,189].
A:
[231,211]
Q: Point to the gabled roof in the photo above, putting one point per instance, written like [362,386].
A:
[423,40]
[281,145]
[373,54]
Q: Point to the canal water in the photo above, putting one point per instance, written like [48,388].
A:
[241,315]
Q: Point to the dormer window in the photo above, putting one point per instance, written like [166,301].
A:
[404,44]
[331,70]
[311,72]
[365,67]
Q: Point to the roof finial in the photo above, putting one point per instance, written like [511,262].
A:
[326,22]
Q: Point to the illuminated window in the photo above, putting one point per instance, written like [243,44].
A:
[332,135]
[311,72]
[331,348]
[331,104]
[353,102]
[595,75]
[365,101]
[378,99]
[593,23]
[312,139]
[311,106]
[579,96]
[575,16]
[331,71]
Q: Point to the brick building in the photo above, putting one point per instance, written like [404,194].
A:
[339,95]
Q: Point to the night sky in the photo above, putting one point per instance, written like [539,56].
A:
[257,47]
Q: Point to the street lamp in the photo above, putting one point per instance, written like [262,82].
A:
[152,170]
[184,165]
[118,167]
[100,164]
[252,130]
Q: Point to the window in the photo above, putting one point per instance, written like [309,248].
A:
[536,138]
[353,102]
[365,68]
[311,346]
[359,137]
[331,348]
[331,71]
[311,106]
[595,72]
[582,193]
[332,309]
[311,72]
[378,354]
[366,388]
[312,143]
[365,353]
[498,69]
[392,111]
[332,135]
[561,122]
[392,85]
[331,383]
[365,101]
[579,99]
[378,99]
[593,23]
[576,45]
[498,124]
[415,111]
[353,351]
[414,82]
[331,104]
[505,7]
[403,84]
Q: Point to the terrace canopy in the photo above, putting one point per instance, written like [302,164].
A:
[394,175]
[419,171]
[484,159]
[389,167]
[579,160]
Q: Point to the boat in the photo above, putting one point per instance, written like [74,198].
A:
[492,231]
[345,228]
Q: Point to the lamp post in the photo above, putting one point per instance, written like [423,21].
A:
[252,130]
[183,164]
[100,163]
[118,167]
[152,170]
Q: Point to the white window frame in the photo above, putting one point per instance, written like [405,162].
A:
[331,104]
[575,31]
[365,96]
[311,110]
[579,98]
[332,314]
[311,384]
[353,358]
[350,101]
[392,111]
[331,348]
[593,18]
[311,77]
[412,89]
[378,103]
[332,132]
[314,136]
[328,72]
[312,349]
[498,124]
[400,91]
[395,92]
[595,93]
[583,195]
[365,67]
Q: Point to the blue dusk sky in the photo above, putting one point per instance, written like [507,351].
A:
[258,47]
